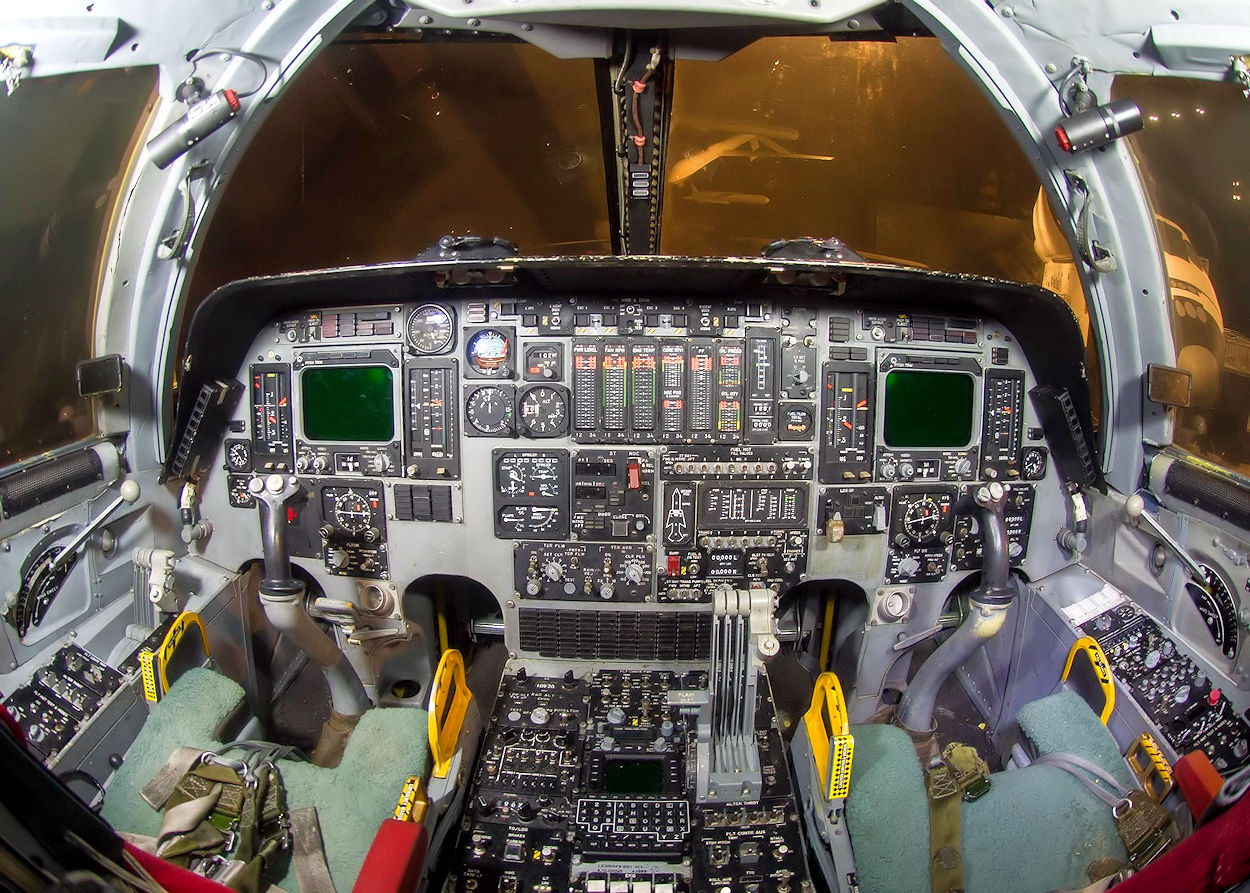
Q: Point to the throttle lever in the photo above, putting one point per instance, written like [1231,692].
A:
[127,493]
[1135,510]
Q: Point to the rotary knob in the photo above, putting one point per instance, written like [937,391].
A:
[908,567]
[634,572]
[616,715]
[319,464]
[963,467]
[379,464]
[907,471]
[554,571]
[540,716]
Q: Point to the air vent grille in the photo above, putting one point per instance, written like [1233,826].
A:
[612,635]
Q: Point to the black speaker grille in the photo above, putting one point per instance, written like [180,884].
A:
[615,635]
[1210,492]
[53,478]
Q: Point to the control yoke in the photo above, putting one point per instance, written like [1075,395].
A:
[987,612]
[282,597]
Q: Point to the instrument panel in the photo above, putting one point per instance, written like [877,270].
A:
[641,451]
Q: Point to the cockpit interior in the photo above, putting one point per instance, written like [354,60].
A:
[625,447]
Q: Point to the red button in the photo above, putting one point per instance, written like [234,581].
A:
[633,474]
[1214,697]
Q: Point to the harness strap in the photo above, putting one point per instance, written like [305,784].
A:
[162,784]
[1077,766]
[309,856]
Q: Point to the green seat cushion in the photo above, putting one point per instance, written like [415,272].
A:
[1037,829]
[887,812]
[1064,723]
[351,799]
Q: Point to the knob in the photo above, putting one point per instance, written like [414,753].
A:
[554,571]
[1240,748]
[1182,695]
[1014,549]
[371,535]
[533,587]
[908,566]
[666,728]
[319,464]
[301,462]
[616,715]
[907,470]
[888,469]
[337,558]
[379,464]
[540,716]
[1152,660]
[525,811]
[963,467]
[606,591]
[634,572]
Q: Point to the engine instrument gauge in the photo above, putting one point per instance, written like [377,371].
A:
[352,512]
[922,520]
[489,352]
[430,329]
[544,410]
[489,412]
[1218,609]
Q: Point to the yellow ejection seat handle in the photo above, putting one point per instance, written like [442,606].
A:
[1102,670]
[449,702]
[828,733]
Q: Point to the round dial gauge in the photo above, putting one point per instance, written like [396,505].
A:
[1218,608]
[488,352]
[430,329]
[489,411]
[1034,462]
[544,411]
[238,455]
[922,520]
[351,512]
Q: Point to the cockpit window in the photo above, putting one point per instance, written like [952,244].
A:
[1193,162]
[65,142]
[887,145]
[383,145]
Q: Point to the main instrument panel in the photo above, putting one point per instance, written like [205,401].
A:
[639,452]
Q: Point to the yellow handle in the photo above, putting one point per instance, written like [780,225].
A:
[1154,773]
[828,732]
[412,801]
[1102,670]
[449,702]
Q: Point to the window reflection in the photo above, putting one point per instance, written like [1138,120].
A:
[381,146]
[1193,162]
[887,145]
[65,142]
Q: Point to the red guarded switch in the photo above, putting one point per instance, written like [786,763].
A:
[633,475]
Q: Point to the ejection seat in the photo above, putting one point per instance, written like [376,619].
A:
[351,799]
[1035,829]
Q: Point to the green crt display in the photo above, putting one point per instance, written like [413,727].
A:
[348,404]
[928,409]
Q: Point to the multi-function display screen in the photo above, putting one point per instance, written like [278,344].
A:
[348,404]
[633,776]
[928,409]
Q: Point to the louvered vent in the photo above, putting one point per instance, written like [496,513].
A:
[590,635]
